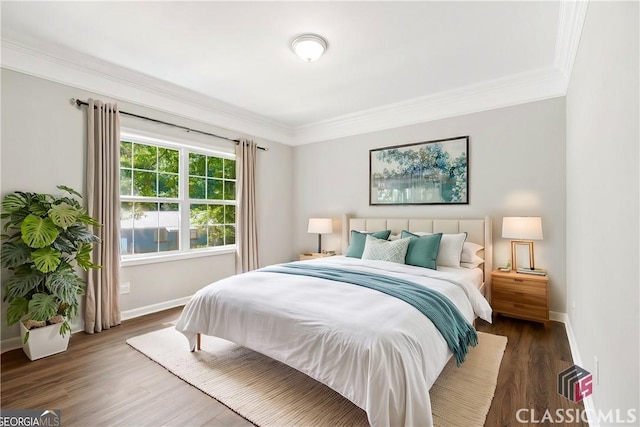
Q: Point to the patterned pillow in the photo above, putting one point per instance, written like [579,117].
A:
[358,240]
[384,250]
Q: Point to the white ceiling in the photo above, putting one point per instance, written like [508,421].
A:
[387,64]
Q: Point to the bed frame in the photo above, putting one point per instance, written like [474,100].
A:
[478,231]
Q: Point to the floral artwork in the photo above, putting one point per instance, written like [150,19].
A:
[433,172]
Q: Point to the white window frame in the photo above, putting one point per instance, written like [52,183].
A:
[184,147]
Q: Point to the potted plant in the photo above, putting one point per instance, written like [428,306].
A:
[46,238]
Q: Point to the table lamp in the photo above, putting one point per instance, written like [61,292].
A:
[320,226]
[524,229]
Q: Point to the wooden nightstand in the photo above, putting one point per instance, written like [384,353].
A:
[313,255]
[525,296]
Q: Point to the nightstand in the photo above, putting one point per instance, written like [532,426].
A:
[313,255]
[525,296]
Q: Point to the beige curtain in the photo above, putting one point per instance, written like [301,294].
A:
[246,216]
[102,309]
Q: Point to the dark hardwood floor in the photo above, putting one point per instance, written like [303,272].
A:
[535,355]
[101,381]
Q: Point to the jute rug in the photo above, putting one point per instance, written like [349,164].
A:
[269,393]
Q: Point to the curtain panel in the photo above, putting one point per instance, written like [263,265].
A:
[247,258]
[102,305]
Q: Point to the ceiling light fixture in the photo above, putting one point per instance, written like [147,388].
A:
[309,47]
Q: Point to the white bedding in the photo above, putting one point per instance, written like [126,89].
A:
[475,275]
[375,350]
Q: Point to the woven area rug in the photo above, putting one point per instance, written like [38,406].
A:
[269,393]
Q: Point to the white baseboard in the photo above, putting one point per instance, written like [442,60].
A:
[562,317]
[11,344]
[589,407]
[15,342]
[153,308]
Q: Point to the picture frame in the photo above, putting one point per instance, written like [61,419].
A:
[424,173]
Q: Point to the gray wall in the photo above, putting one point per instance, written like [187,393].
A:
[602,202]
[517,161]
[43,145]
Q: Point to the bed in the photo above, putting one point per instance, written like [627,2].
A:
[479,231]
[374,349]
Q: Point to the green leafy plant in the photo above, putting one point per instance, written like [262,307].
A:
[45,238]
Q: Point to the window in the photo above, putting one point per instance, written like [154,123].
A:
[175,198]
[212,186]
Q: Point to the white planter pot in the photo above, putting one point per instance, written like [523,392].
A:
[44,341]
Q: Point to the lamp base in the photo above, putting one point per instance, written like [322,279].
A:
[514,260]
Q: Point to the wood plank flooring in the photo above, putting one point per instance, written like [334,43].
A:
[534,356]
[101,381]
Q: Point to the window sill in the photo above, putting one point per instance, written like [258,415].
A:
[131,260]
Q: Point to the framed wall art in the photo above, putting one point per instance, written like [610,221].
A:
[424,173]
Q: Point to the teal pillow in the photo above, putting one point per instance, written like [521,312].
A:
[358,239]
[423,250]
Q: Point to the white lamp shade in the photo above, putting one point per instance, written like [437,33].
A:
[522,227]
[320,226]
[309,47]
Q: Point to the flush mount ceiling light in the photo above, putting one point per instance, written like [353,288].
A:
[309,47]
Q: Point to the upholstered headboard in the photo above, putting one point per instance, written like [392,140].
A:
[478,231]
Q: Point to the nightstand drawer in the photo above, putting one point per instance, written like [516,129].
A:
[521,296]
[519,284]
[516,291]
[521,310]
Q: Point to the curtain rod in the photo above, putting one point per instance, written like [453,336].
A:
[79,103]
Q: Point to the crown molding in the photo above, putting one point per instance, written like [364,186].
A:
[570,23]
[511,90]
[516,89]
[85,72]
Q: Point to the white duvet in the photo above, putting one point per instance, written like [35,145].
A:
[376,350]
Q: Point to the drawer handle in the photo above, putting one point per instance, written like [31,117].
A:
[518,305]
[520,294]
[517,280]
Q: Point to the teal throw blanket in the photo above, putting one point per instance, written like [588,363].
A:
[446,317]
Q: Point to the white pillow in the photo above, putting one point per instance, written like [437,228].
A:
[470,265]
[469,253]
[384,250]
[450,248]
